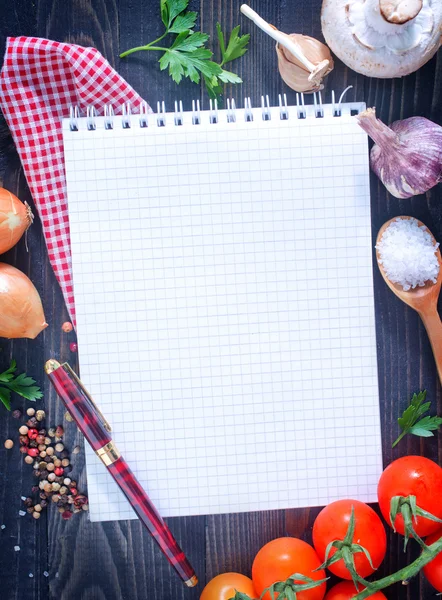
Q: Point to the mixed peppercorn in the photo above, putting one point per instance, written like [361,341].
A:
[44,449]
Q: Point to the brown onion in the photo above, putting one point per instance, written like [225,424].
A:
[21,311]
[15,218]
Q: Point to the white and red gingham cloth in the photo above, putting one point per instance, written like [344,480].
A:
[39,82]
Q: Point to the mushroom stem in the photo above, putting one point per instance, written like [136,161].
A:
[316,71]
[400,11]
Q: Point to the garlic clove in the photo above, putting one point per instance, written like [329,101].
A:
[400,11]
[294,51]
[294,72]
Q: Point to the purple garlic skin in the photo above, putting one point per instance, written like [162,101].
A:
[407,156]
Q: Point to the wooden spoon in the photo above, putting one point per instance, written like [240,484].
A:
[422,299]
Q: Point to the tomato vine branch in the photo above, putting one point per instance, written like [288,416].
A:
[408,572]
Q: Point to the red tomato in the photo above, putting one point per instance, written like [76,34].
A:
[332,524]
[433,570]
[223,587]
[413,476]
[283,557]
[346,591]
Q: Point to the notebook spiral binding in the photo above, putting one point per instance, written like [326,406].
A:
[230,112]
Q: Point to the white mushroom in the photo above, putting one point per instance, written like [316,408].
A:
[383,38]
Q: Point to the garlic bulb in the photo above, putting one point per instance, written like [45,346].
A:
[407,156]
[383,38]
[21,311]
[303,61]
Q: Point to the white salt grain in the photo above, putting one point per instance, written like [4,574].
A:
[407,254]
[17,548]
[22,513]
[31,575]
[3,527]
[45,573]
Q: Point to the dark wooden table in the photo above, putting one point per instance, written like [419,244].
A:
[115,561]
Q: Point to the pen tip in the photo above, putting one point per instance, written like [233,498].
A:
[51,365]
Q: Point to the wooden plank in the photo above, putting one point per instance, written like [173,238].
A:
[118,560]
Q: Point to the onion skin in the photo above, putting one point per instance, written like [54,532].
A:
[21,311]
[15,218]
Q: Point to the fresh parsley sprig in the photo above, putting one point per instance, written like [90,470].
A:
[188,55]
[410,422]
[20,384]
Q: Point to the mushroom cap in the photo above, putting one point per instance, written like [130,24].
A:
[358,33]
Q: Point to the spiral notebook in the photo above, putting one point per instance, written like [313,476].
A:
[223,286]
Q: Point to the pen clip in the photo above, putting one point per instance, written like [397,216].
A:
[100,415]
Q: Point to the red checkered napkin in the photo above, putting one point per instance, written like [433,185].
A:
[39,82]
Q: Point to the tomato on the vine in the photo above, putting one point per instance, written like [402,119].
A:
[346,591]
[223,587]
[433,570]
[281,558]
[332,523]
[413,476]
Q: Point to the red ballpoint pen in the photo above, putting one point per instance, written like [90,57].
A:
[96,430]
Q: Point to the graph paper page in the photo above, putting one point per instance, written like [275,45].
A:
[224,298]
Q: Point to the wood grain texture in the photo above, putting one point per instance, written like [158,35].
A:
[118,561]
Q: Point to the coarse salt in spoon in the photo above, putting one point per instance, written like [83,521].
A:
[422,299]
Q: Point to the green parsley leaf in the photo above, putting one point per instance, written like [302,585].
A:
[187,54]
[5,397]
[185,22]
[174,8]
[236,46]
[164,9]
[188,43]
[229,77]
[410,423]
[22,385]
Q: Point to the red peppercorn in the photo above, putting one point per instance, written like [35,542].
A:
[66,515]
[73,491]
[32,452]
[40,439]
[59,431]
[24,440]
[33,434]
[73,347]
[58,471]
[23,449]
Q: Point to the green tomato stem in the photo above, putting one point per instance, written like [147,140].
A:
[404,574]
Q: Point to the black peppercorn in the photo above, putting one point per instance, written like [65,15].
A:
[44,474]
[29,502]
[64,499]
[33,444]
[33,423]
[37,473]
[30,510]
[42,432]
[43,496]
[34,489]
[16,414]
[65,454]
[43,503]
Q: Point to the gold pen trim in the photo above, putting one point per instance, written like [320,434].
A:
[192,581]
[108,453]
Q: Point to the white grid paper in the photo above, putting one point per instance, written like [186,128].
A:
[223,289]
